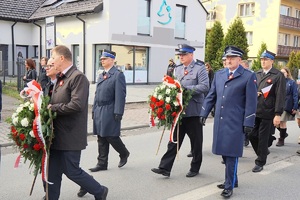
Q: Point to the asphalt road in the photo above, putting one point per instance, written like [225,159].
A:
[135,181]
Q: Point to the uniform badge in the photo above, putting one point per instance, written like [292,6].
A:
[269,81]
[230,77]
[105,77]
[61,83]
[186,72]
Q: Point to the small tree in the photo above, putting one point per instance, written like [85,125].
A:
[256,63]
[294,64]
[214,43]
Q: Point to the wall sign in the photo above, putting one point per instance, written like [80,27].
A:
[164,13]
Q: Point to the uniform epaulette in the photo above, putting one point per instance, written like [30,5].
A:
[179,65]
[199,62]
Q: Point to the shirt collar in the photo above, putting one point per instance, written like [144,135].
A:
[66,70]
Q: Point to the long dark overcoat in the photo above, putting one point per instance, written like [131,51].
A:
[235,101]
[109,100]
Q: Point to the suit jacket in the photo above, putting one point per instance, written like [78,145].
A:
[109,100]
[274,103]
[196,80]
[70,101]
[235,100]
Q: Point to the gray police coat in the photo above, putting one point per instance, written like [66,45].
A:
[197,80]
[109,100]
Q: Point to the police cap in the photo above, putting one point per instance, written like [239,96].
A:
[185,49]
[233,51]
[268,54]
[108,54]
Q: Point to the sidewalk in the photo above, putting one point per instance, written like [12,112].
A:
[135,114]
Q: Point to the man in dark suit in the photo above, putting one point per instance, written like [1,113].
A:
[270,104]
[192,76]
[0,99]
[108,109]
[70,101]
[233,92]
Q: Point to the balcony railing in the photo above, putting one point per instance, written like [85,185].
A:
[289,22]
[284,51]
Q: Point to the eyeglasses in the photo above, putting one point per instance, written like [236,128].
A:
[49,66]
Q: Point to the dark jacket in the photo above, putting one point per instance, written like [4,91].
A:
[273,105]
[0,95]
[235,101]
[291,98]
[43,78]
[109,101]
[30,75]
[170,69]
[70,101]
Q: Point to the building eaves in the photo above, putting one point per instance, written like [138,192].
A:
[18,10]
[66,9]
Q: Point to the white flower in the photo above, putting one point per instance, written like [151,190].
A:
[160,97]
[19,109]
[162,86]
[156,89]
[24,122]
[168,99]
[155,94]
[14,115]
[175,103]
[27,104]
[15,120]
[31,134]
[31,107]
[168,91]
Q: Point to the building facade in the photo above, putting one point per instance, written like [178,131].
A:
[275,22]
[143,33]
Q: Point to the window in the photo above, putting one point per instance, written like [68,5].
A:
[284,39]
[285,10]
[35,51]
[249,36]
[211,15]
[144,17]
[296,41]
[297,14]
[180,21]
[76,58]
[247,9]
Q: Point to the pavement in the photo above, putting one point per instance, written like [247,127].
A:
[135,115]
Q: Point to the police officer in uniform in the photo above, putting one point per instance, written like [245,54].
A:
[233,92]
[271,98]
[192,76]
[108,109]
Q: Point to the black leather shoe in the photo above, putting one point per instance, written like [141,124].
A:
[123,161]
[98,168]
[222,186]
[191,174]
[246,142]
[104,194]
[257,168]
[226,193]
[161,171]
[81,192]
[190,154]
[222,162]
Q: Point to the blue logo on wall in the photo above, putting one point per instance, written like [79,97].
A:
[165,13]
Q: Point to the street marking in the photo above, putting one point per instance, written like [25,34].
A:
[198,193]
[275,167]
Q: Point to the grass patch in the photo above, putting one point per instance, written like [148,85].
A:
[11,89]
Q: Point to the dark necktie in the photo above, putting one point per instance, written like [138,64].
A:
[230,75]
[50,89]
[103,73]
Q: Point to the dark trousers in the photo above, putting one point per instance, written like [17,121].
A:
[259,138]
[231,164]
[67,162]
[103,149]
[192,127]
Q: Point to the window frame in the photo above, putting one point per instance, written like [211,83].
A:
[242,9]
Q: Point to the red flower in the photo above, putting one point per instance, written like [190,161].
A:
[160,110]
[153,99]
[61,83]
[163,117]
[13,131]
[169,79]
[152,105]
[161,102]
[186,72]
[25,146]
[22,136]
[174,114]
[157,104]
[269,81]
[168,107]
[37,147]
[105,77]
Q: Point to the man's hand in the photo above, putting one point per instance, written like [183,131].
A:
[247,129]
[118,117]
[49,106]
[202,121]
[276,121]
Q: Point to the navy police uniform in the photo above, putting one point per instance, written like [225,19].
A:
[108,109]
[234,97]
[192,77]
[267,108]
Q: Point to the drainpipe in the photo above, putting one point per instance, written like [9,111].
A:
[40,53]
[84,34]
[13,47]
